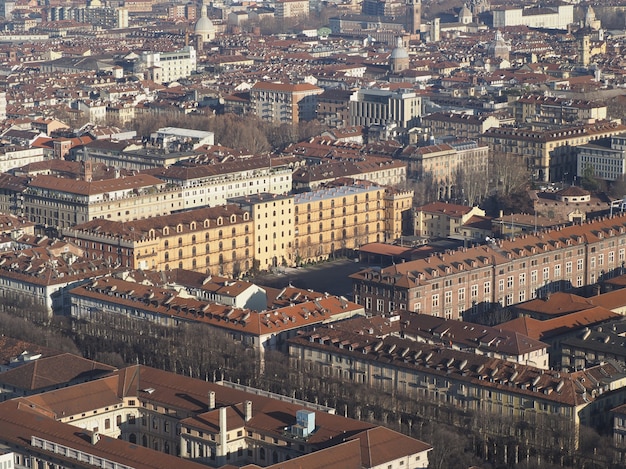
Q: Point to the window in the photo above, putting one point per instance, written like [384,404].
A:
[522,279]
[448,297]
[509,282]
[579,265]
[533,277]
[461,295]
[546,273]
[379,305]
[568,267]
[435,301]
[487,288]
[501,285]
[107,424]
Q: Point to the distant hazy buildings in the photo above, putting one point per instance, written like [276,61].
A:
[559,17]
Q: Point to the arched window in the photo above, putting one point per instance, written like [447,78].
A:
[221,259]
[180,241]
[167,256]
[220,234]
[166,244]
[193,239]
[193,251]
[247,241]
[221,246]
[132,438]
[180,253]
[206,249]
[234,243]
[262,453]
[144,441]
[234,255]
[206,236]
[234,231]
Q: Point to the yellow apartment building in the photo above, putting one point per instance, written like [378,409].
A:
[273,225]
[217,240]
[398,216]
[334,219]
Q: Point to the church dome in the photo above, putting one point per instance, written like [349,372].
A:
[465,15]
[399,52]
[204,26]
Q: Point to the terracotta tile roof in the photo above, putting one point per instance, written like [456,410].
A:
[167,303]
[11,348]
[19,423]
[544,330]
[80,187]
[557,304]
[449,364]
[54,371]
[380,445]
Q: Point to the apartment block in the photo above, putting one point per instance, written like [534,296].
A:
[399,109]
[166,67]
[284,103]
[217,240]
[334,219]
[549,154]
[443,220]
[464,380]
[443,163]
[555,110]
[15,156]
[42,274]
[59,202]
[263,330]
[606,159]
[461,126]
[201,184]
[505,272]
[274,228]
[291,8]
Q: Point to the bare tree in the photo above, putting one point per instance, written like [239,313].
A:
[509,172]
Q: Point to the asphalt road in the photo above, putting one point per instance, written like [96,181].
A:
[330,277]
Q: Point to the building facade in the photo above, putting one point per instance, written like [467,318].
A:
[398,109]
[215,240]
[500,274]
[284,103]
[548,154]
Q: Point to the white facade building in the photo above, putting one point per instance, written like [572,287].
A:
[537,17]
[608,163]
[165,67]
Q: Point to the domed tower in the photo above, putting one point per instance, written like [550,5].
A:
[465,15]
[399,58]
[204,29]
[591,21]
[499,49]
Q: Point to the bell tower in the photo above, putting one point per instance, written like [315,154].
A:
[413,16]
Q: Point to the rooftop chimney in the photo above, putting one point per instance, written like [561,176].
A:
[211,400]
[247,410]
